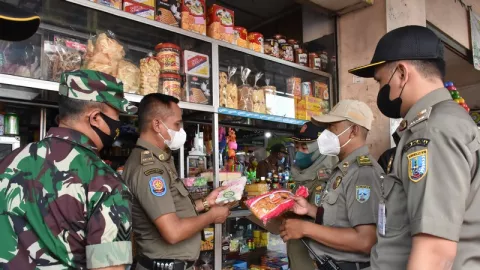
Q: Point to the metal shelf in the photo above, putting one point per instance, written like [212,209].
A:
[259,116]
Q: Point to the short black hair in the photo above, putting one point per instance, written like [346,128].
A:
[71,109]
[434,68]
[153,105]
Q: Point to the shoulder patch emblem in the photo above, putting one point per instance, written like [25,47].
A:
[318,198]
[364,161]
[417,165]
[153,171]
[146,157]
[158,186]
[418,142]
[337,182]
[362,193]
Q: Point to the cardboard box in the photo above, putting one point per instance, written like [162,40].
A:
[280,106]
[320,90]
[133,7]
[313,104]
[150,3]
[110,3]
[196,64]
[220,23]
[307,107]
[167,12]
[194,16]
[209,234]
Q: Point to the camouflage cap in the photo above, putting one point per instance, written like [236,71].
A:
[96,86]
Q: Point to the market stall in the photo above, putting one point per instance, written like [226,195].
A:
[242,87]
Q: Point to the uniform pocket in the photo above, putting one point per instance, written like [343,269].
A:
[396,206]
[330,206]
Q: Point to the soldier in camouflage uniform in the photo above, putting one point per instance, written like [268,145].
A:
[61,206]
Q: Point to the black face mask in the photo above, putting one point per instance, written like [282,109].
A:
[113,125]
[389,108]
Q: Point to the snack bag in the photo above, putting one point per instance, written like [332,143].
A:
[231,91]
[104,53]
[234,191]
[129,74]
[149,73]
[245,92]
[258,96]
[274,203]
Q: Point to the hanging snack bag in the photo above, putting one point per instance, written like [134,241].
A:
[245,101]
[231,90]
[193,16]
[274,203]
[269,89]
[129,74]
[104,53]
[220,23]
[258,96]
[149,75]
[223,88]
[168,12]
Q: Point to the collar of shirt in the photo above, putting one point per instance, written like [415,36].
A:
[432,98]
[346,162]
[159,153]
[73,136]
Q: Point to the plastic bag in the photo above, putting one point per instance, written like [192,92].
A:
[233,193]
[129,74]
[60,59]
[231,91]
[274,203]
[245,92]
[149,73]
[258,96]
[104,53]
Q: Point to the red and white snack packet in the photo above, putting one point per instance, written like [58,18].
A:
[274,203]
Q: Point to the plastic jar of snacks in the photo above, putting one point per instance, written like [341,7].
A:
[168,56]
[170,84]
[255,42]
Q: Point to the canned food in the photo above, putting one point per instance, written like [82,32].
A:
[168,56]
[255,41]
[11,124]
[170,84]
[270,47]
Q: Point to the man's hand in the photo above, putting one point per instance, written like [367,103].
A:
[213,196]
[302,207]
[219,214]
[292,229]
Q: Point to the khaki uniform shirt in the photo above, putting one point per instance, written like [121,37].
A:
[152,178]
[351,199]
[298,255]
[434,185]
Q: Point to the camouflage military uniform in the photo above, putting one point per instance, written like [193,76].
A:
[61,206]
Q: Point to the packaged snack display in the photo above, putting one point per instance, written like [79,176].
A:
[220,23]
[111,3]
[104,53]
[240,36]
[234,191]
[245,101]
[294,86]
[270,47]
[286,52]
[149,73]
[196,64]
[197,90]
[59,59]
[168,56]
[258,96]
[129,74]
[255,42]
[223,81]
[171,84]
[320,90]
[139,9]
[193,16]
[231,90]
[274,203]
[168,12]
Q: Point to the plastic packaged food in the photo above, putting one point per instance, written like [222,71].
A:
[170,84]
[60,59]
[168,12]
[193,16]
[196,64]
[149,73]
[21,59]
[168,56]
[301,57]
[245,101]
[220,23]
[223,81]
[240,36]
[307,89]
[139,9]
[197,90]
[281,39]
[274,203]
[294,86]
[320,90]
[270,47]
[286,52]
[258,96]
[231,90]
[111,3]
[234,191]
[129,74]
[104,53]
[255,42]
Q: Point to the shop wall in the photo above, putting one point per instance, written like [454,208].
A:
[451,18]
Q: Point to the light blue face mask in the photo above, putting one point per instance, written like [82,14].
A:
[302,160]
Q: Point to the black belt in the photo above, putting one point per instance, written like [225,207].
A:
[161,264]
[353,265]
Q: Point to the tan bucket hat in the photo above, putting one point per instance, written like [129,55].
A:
[354,111]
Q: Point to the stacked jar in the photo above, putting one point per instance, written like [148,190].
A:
[170,82]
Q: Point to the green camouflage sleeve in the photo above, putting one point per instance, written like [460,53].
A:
[108,221]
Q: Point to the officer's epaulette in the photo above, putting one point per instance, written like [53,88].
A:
[364,161]
[421,116]
[146,158]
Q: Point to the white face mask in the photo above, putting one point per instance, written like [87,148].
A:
[177,138]
[329,144]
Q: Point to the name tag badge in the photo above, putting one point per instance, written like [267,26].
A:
[382,219]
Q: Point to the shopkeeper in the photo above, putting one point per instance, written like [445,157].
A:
[311,170]
[273,163]
[344,227]
[167,227]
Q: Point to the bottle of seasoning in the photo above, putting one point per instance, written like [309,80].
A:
[324,60]
[170,84]
[168,56]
